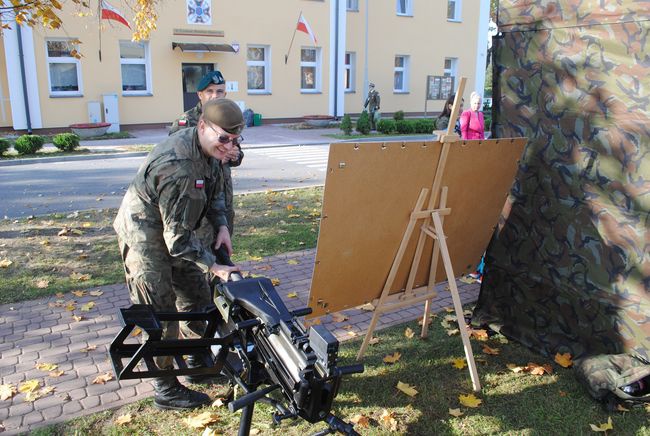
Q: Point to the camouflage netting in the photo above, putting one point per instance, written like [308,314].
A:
[568,268]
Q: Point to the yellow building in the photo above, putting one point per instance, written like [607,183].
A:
[395,44]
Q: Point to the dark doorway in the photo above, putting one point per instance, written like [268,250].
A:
[192,74]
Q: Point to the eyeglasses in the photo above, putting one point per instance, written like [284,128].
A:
[224,139]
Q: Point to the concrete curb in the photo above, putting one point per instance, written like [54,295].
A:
[94,156]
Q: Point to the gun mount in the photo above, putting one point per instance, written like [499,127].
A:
[256,342]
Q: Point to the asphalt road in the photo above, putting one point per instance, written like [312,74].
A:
[43,188]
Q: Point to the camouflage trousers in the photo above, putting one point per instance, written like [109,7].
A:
[167,284]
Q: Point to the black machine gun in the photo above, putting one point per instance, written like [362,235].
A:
[255,341]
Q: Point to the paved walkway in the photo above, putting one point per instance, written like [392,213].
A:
[38,331]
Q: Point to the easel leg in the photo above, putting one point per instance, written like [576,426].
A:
[371,329]
[446,260]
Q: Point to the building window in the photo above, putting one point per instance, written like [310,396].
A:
[63,67]
[134,63]
[258,69]
[451,69]
[352,5]
[350,71]
[405,7]
[310,67]
[401,75]
[453,10]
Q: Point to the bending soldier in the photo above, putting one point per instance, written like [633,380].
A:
[164,262]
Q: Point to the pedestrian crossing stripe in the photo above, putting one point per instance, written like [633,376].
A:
[311,158]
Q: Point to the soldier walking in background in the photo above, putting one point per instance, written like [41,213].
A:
[164,262]
[372,103]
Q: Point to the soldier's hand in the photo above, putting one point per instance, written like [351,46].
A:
[232,155]
[223,237]
[223,271]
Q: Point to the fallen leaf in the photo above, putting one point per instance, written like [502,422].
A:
[392,358]
[409,333]
[368,307]
[102,379]
[45,242]
[292,262]
[56,374]
[254,431]
[4,263]
[339,317]
[46,366]
[86,225]
[96,293]
[387,419]
[7,391]
[136,332]
[201,420]
[407,389]
[292,295]
[59,295]
[514,368]
[32,396]
[469,400]
[29,386]
[351,333]
[275,282]
[212,432]
[255,258]
[88,306]
[603,427]
[620,408]
[70,307]
[536,369]
[219,402]
[47,390]
[456,412]
[360,420]
[89,348]
[467,279]
[459,363]
[449,310]
[42,284]
[491,351]
[290,207]
[373,341]
[80,277]
[78,318]
[64,396]
[293,215]
[79,293]
[123,419]
[564,360]
[453,332]
[76,232]
[562,393]
[480,334]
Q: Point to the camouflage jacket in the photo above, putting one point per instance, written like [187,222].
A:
[173,190]
[373,101]
[190,118]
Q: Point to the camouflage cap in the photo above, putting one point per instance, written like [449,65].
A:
[212,77]
[225,114]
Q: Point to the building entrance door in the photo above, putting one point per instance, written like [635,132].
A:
[192,74]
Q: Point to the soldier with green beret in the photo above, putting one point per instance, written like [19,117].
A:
[165,264]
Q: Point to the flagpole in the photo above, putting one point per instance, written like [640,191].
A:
[286,56]
[99,22]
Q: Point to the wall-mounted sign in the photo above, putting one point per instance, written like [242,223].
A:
[439,87]
[199,12]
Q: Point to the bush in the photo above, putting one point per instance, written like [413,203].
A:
[363,123]
[4,145]
[423,125]
[488,122]
[66,141]
[386,126]
[346,124]
[399,115]
[29,144]
[404,127]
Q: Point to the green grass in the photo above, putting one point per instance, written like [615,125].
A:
[265,224]
[12,154]
[371,135]
[512,403]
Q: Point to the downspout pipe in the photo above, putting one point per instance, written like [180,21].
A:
[21,59]
[336,60]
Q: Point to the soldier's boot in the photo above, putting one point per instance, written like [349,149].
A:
[171,394]
[208,379]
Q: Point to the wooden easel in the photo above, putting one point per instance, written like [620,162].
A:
[432,226]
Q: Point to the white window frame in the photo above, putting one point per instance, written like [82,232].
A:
[458,7]
[266,63]
[318,64]
[351,70]
[408,10]
[452,71]
[405,69]
[147,69]
[352,5]
[63,60]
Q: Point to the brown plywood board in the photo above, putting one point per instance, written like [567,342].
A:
[370,192]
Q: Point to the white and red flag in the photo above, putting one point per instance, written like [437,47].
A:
[303,26]
[111,13]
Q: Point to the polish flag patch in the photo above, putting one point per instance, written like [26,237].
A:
[182,122]
[199,183]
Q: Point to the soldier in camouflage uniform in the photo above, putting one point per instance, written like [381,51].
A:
[164,262]
[372,103]
[212,86]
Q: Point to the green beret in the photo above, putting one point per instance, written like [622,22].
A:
[210,78]
[225,114]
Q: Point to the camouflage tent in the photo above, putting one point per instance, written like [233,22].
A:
[568,268]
